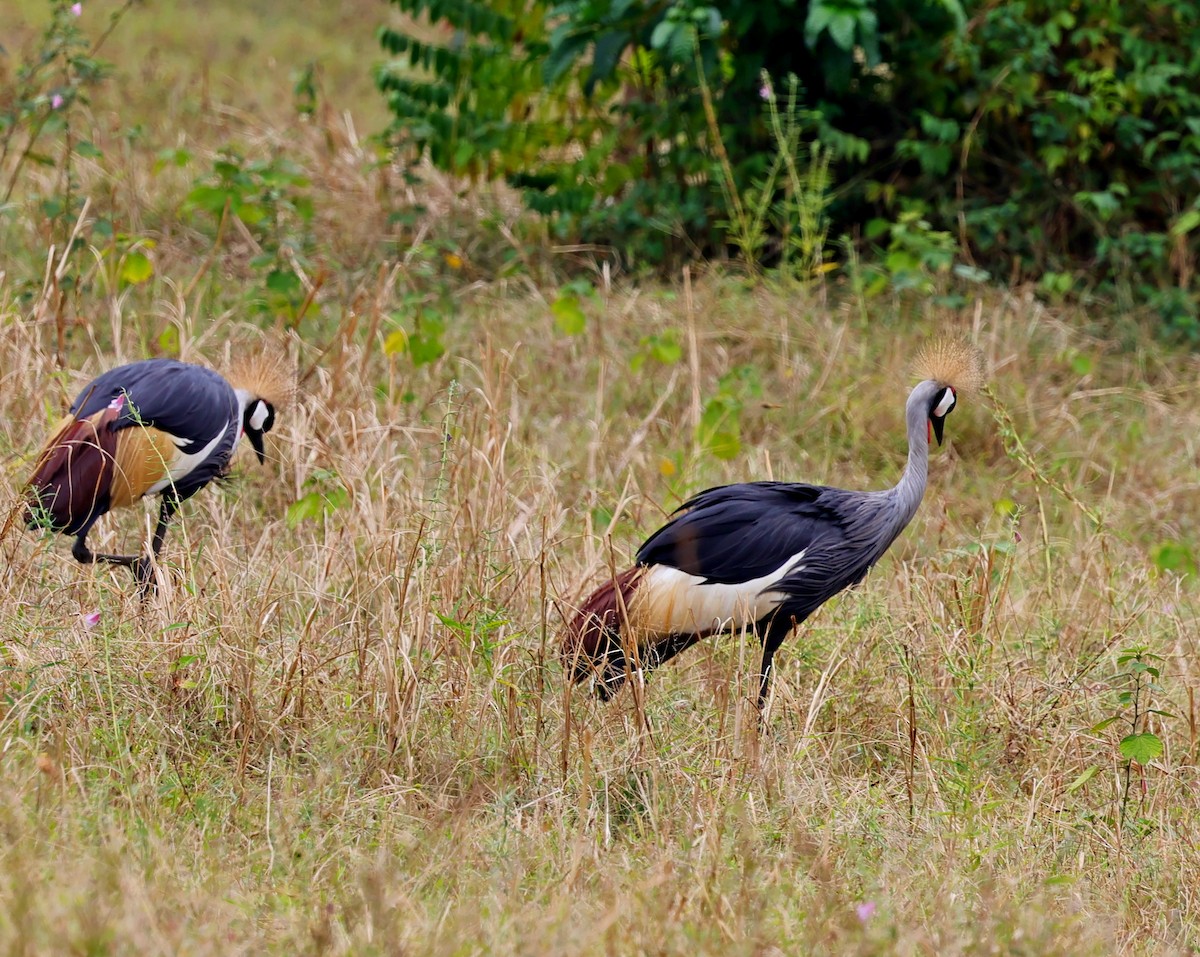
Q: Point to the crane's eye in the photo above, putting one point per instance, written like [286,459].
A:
[944,404]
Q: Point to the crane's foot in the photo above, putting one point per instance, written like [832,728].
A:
[144,573]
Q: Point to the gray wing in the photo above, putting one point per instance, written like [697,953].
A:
[736,533]
[184,400]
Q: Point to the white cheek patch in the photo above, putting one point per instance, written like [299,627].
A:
[258,416]
[944,406]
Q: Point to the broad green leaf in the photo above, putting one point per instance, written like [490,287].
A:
[283,282]
[841,29]
[209,198]
[424,349]
[396,342]
[568,314]
[1142,748]
[250,213]
[662,34]
[136,268]
[317,504]
[724,445]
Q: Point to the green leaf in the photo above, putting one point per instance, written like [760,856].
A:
[1142,748]
[212,199]
[168,341]
[1083,779]
[136,268]
[396,343]
[88,149]
[1101,725]
[568,314]
[304,509]
[662,34]
[1186,223]
[423,349]
[283,282]
[818,18]
[724,445]
[1174,557]
[183,661]
[719,429]
[841,29]
[250,213]
[317,504]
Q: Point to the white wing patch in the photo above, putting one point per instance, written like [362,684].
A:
[670,601]
[185,462]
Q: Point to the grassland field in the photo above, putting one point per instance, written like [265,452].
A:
[342,726]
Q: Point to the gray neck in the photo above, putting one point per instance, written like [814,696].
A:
[908,492]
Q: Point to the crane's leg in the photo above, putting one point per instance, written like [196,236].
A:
[86,556]
[141,566]
[780,627]
[144,569]
[668,648]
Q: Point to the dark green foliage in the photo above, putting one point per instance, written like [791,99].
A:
[1080,135]
[1042,139]
[468,102]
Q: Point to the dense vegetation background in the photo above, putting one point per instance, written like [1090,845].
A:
[1047,142]
[546,271]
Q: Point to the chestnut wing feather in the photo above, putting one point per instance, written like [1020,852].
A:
[72,481]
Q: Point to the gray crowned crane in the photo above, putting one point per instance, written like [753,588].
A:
[759,556]
[155,427]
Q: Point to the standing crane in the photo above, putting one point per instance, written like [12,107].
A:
[759,556]
[155,427]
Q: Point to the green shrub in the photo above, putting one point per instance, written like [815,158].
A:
[1040,138]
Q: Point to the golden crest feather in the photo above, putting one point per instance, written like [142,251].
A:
[953,362]
[265,372]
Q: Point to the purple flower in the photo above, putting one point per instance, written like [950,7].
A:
[77,9]
[91,621]
[865,911]
[56,101]
[764,91]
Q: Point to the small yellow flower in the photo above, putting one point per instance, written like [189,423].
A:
[453,260]
[666,468]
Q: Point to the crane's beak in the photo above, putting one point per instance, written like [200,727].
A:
[936,425]
[257,443]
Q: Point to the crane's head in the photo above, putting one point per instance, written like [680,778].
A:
[256,422]
[949,367]
[944,399]
[265,381]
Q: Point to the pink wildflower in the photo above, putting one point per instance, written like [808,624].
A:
[56,101]
[91,621]
[77,9]
[865,911]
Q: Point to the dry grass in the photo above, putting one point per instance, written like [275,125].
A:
[350,734]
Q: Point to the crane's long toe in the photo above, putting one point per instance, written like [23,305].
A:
[147,579]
